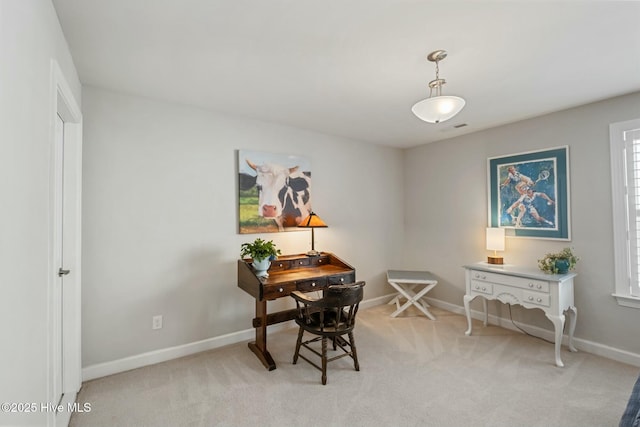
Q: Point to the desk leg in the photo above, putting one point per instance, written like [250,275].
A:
[573,315]
[259,347]
[558,324]
[467,299]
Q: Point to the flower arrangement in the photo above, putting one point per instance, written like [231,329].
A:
[560,262]
[260,249]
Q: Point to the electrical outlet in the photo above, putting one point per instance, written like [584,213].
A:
[156,322]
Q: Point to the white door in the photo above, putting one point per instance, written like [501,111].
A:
[58,282]
[64,285]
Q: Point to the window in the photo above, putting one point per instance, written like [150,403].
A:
[625,178]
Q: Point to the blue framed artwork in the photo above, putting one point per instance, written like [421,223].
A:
[529,193]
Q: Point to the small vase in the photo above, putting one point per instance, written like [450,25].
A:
[562,265]
[261,266]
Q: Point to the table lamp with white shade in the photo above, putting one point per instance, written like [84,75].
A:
[495,243]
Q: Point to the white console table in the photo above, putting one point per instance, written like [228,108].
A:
[530,288]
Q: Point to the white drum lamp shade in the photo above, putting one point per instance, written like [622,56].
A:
[495,242]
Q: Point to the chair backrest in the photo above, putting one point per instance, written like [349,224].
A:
[336,310]
[344,295]
[346,298]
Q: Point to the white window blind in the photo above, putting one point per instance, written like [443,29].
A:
[625,174]
[632,145]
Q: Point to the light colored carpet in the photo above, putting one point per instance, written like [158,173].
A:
[414,372]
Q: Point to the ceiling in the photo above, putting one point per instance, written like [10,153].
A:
[354,68]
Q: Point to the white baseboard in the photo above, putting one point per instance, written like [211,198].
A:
[581,344]
[133,362]
[162,355]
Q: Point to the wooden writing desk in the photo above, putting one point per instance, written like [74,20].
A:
[287,274]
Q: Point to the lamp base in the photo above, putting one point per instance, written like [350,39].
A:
[495,260]
[313,253]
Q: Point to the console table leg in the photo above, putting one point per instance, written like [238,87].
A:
[558,325]
[573,315]
[486,311]
[467,299]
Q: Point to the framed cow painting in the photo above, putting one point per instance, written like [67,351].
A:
[529,193]
[274,191]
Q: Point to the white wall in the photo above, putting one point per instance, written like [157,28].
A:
[445,182]
[160,223]
[30,37]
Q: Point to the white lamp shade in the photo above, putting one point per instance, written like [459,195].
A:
[438,108]
[495,239]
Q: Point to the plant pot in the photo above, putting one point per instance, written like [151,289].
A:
[261,266]
[562,265]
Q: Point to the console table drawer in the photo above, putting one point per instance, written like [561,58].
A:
[535,298]
[520,282]
[481,287]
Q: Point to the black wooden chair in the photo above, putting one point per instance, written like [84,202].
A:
[332,316]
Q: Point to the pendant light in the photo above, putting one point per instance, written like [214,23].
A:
[437,108]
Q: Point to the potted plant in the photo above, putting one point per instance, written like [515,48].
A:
[262,252]
[558,263]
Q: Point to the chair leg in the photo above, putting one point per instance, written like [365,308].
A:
[295,355]
[354,352]
[324,360]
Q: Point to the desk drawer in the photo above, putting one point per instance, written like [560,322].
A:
[519,282]
[320,260]
[278,291]
[278,265]
[300,262]
[341,279]
[311,285]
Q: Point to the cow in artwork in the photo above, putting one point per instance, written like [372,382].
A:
[283,193]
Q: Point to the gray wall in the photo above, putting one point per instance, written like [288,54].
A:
[446,210]
[160,217]
[160,224]
[30,37]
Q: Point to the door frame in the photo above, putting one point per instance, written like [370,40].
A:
[64,104]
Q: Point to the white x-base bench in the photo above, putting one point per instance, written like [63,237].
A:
[405,282]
